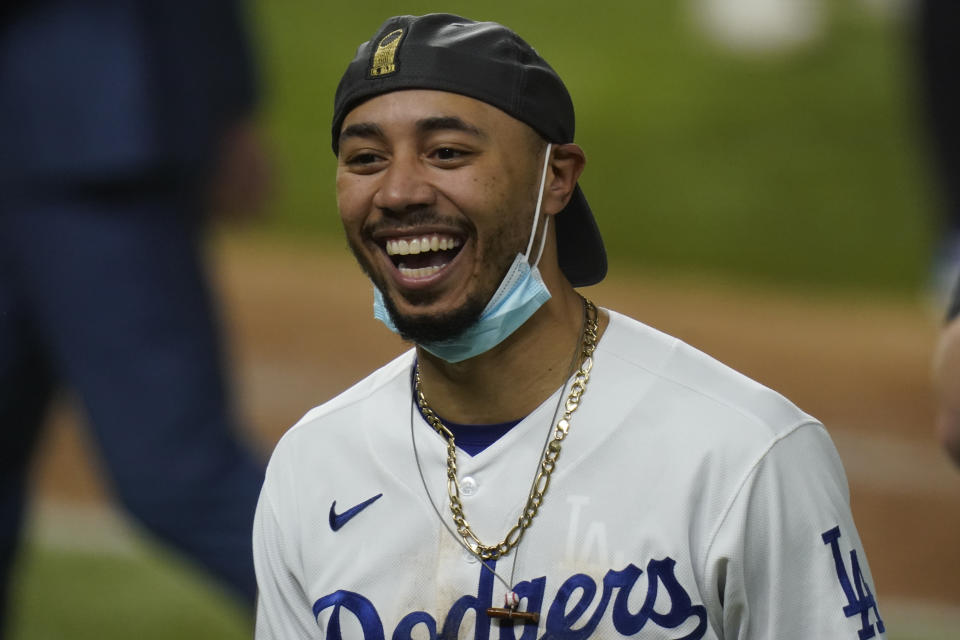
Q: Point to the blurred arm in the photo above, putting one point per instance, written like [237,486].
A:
[242,178]
[946,380]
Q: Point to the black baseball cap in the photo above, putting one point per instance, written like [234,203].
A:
[491,63]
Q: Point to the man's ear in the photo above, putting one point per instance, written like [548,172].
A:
[566,165]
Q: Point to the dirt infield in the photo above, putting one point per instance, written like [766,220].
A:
[301,329]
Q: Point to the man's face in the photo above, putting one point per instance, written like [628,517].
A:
[436,192]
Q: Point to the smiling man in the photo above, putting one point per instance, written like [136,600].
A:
[534,466]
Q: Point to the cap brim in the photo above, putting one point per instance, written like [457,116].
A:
[583,258]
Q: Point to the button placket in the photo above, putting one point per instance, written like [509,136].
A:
[469,486]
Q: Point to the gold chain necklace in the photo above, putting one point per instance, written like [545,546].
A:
[547,463]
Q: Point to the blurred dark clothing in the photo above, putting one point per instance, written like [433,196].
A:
[111,119]
[938,45]
[95,89]
[104,290]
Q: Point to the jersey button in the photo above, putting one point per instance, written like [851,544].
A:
[469,557]
[468,486]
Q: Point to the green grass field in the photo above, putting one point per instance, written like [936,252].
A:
[146,595]
[802,168]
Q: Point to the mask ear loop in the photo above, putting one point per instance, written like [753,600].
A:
[543,241]
[536,214]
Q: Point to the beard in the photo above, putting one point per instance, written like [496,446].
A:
[436,327]
[503,247]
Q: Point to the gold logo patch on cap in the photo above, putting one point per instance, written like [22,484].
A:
[384,58]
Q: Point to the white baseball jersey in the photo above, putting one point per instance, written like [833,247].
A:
[688,502]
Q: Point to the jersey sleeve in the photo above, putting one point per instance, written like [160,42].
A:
[787,561]
[283,610]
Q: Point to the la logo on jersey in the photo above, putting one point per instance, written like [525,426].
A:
[860,600]
[565,615]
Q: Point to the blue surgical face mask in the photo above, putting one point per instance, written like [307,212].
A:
[520,294]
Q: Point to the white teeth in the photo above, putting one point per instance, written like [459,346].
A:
[403,247]
[423,272]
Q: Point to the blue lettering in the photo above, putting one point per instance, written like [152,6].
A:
[860,599]
[560,624]
[404,630]
[575,597]
[623,621]
[480,604]
[531,593]
[681,608]
[658,572]
[356,604]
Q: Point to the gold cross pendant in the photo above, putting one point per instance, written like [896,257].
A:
[511,615]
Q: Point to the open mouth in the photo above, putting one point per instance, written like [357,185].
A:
[422,257]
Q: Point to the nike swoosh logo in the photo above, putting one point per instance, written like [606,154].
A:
[337,520]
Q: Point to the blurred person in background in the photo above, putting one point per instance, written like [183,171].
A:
[946,374]
[122,123]
[937,33]
[938,48]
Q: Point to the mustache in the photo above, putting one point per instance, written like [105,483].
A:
[418,218]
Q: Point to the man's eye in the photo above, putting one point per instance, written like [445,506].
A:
[448,153]
[363,159]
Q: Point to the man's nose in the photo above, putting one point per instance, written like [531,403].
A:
[405,185]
